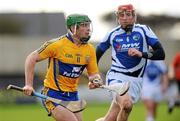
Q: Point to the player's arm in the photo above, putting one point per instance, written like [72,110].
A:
[45,51]
[99,53]
[164,77]
[165,82]
[102,47]
[30,63]
[156,54]
[93,71]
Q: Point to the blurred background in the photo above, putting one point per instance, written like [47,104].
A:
[25,25]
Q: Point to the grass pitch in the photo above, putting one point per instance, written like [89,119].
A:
[36,112]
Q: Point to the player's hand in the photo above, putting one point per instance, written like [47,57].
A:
[96,83]
[134,52]
[28,90]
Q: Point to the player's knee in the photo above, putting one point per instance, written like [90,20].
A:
[127,106]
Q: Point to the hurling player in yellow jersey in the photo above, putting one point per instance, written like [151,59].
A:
[68,56]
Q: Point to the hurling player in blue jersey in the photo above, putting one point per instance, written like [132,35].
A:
[155,84]
[129,44]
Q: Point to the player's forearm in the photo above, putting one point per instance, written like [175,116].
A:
[157,53]
[99,53]
[29,68]
[165,82]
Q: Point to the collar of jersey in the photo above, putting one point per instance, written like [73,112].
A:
[68,35]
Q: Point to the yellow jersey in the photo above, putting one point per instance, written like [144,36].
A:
[67,62]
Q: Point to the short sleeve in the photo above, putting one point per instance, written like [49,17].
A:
[47,50]
[92,67]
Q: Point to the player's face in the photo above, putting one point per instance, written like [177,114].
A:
[125,18]
[84,30]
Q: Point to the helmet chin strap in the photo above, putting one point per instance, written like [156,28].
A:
[84,40]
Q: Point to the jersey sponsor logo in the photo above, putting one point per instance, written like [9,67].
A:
[72,75]
[76,72]
[125,47]
[76,69]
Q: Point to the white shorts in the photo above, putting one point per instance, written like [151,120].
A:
[152,93]
[135,84]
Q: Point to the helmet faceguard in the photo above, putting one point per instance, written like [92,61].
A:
[76,20]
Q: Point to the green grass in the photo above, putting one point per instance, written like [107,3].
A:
[37,113]
[23,113]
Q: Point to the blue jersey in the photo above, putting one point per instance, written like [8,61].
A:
[153,72]
[152,80]
[140,38]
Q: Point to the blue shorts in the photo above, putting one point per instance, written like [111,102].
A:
[61,95]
